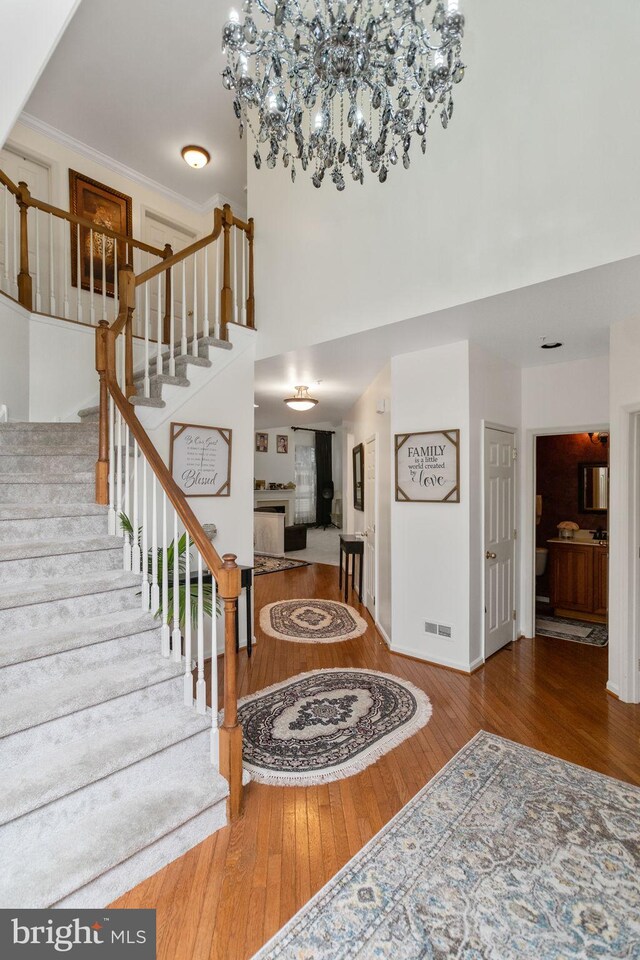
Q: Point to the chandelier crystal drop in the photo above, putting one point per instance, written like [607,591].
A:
[338,86]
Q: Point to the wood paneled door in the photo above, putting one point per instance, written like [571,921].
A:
[499,539]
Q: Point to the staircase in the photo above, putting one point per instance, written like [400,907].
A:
[107,774]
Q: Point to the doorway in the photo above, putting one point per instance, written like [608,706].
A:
[370,510]
[499,538]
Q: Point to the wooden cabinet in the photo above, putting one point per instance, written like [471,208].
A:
[579,580]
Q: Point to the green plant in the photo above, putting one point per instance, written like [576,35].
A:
[192,593]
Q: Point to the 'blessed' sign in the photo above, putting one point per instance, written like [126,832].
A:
[200,460]
[427,466]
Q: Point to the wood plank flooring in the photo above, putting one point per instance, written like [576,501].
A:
[226,897]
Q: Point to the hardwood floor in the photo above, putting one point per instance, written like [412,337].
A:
[226,897]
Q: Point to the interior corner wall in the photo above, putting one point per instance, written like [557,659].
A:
[30,33]
[430,541]
[361,423]
[624,511]
[14,359]
[274,467]
[494,398]
[565,398]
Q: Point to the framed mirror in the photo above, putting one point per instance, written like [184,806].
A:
[593,487]
[358,477]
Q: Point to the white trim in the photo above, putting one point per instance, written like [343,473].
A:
[438,661]
[613,688]
[374,439]
[514,432]
[383,633]
[478,662]
[90,153]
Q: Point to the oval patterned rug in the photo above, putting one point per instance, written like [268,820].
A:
[311,621]
[327,724]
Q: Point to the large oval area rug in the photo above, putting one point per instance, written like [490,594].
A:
[327,724]
[311,621]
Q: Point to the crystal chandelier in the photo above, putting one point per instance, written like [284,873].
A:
[340,86]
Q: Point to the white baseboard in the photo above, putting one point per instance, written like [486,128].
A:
[543,599]
[613,688]
[436,661]
[383,633]
[478,662]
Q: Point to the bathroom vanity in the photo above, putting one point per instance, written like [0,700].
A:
[579,578]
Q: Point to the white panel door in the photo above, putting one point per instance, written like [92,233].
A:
[499,539]
[158,232]
[370,526]
[37,177]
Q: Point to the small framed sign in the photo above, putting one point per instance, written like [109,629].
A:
[428,466]
[200,460]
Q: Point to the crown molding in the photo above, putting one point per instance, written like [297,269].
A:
[90,153]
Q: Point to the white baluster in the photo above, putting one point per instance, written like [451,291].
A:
[234,271]
[201,689]
[126,549]
[115,279]
[92,306]
[5,248]
[16,267]
[194,342]
[111,516]
[147,385]
[136,559]
[52,291]
[145,540]
[243,278]
[38,288]
[187,602]
[216,296]
[159,350]
[119,431]
[165,631]
[176,636]
[65,275]
[183,344]
[205,281]
[172,335]
[104,276]
[78,277]
[155,588]
[215,747]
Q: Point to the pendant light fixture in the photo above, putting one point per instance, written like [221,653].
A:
[302,401]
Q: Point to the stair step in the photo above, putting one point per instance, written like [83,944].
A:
[43,870]
[89,415]
[35,444]
[34,603]
[147,402]
[49,463]
[27,487]
[58,771]
[50,640]
[55,558]
[39,703]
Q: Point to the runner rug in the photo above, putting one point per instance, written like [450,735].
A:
[265,564]
[327,724]
[507,853]
[580,631]
[311,621]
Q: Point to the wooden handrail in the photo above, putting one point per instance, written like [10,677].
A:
[186,252]
[9,184]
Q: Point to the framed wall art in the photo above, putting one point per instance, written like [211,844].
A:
[282,443]
[262,442]
[428,466]
[358,477]
[200,459]
[106,208]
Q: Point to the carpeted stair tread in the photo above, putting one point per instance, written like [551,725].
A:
[61,769]
[72,635]
[23,593]
[46,871]
[88,412]
[147,402]
[29,549]
[58,698]
[52,479]
[24,426]
[162,378]
[25,511]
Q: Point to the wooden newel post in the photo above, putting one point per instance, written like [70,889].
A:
[168,293]
[25,295]
[251,300]
[231,732]
[226,294]
[102,463]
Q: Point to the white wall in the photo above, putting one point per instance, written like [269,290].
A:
[430,541]
[563,398]
[14,359]
[274,467]
[30,33]
[494,398]
[519,189]
[624,600]
[361,423]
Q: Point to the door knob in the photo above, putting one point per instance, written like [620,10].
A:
[490,556]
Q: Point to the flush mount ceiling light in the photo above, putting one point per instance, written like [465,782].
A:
[301,401]
[599,436]
[196,157]
[550,345]
[342,85]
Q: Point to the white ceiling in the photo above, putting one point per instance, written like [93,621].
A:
[139,80]
[577,309]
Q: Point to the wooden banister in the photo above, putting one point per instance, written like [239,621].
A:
[185,253]
[9,184]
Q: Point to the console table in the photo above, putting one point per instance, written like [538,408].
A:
[351,546]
